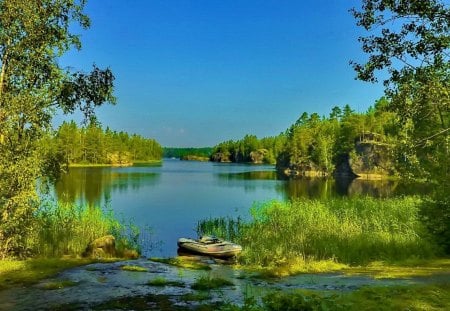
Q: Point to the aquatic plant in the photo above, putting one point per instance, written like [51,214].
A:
[351,231]
[207,283]
[161,281]
[182,262]
[67,228]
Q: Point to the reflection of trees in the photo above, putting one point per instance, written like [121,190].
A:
[374,188]
[309,188]
[322,188]
[90,185]
[247,180]
[254,175]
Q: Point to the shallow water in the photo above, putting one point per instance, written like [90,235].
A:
[97,283]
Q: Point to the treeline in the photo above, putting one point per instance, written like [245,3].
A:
[249,149]
[345,142]
[322,145]
[94,145]
[181,153]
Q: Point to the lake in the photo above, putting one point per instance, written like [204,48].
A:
[172,196]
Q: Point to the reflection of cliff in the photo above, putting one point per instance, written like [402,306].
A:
[92,185]
[322,188]
[375,188]
[313,188]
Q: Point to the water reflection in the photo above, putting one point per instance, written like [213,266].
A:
[321,188]
[95,185]
[173,197]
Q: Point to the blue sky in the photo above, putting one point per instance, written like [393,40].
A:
[195,73]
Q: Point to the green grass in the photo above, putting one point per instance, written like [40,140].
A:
[420,297]
[183,262]
[347,231]
[161,281]
[197,296]
[423,297]
[27,272]
[208,283]
[66,229]
[134,268]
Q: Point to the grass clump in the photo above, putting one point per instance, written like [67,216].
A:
[350,231]
[208,283]
[161,281]
[30,271]
[420,297]
[134,268]
[59,284]
[67,228]
[183,262]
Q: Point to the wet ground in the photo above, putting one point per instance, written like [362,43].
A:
[93,286]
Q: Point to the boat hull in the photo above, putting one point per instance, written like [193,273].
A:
[221,249]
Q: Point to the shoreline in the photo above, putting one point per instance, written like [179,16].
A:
[136,163]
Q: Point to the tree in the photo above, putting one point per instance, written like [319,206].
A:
[411,40]
[33,34]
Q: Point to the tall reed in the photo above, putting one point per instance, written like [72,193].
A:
[67,229]
[351,231]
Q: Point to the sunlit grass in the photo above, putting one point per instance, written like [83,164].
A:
[134,268]
[182,262]
[303,235]
[26,272]
[67,229]
[404,269]
[421,297]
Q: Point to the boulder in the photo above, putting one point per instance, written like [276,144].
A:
[104,247]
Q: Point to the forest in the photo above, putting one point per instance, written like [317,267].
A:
[320,145]
[182,153]
[92,144]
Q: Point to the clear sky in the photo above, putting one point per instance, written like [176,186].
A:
[195,73]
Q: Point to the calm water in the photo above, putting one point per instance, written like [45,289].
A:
[171,197]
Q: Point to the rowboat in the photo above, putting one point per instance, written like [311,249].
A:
[210,246]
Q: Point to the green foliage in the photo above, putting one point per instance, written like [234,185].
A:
[33,86]
[93,145]
[411,40]
[66,229]
[183,263]
[351,231]
[249,149]
[161,281]
[30,271]
[208,283]
[224,227]
[424,297]
[318,146]
[183,152]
